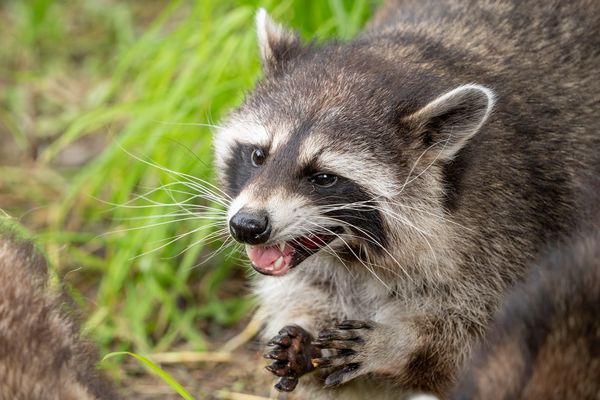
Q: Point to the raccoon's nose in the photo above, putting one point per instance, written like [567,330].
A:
[250,227]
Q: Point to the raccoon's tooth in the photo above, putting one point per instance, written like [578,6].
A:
[282,246]
[278,262]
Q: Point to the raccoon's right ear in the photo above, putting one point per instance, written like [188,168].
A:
[447,123]
[277,44]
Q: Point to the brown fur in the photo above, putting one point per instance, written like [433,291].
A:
[545,341]
[42,356]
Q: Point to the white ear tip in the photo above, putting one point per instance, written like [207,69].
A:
[261,25]
[265,26]
[491,96]
[261,16]
[423,397]
[489,93]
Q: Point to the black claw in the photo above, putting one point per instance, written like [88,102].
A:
[270,368]
[333,380]
[325,335]
[353,324]
[279,368]
[280,340]
[337,377]
[286,384]
[291,330]
[276,354]
[341,344]
[351,367]
[346,352]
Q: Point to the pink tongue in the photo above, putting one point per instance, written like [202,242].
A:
[264,257]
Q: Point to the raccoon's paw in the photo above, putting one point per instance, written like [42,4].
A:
[346,345]
[292,351]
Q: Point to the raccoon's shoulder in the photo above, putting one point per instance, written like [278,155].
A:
[545,341]
[542,35]
[42,355]
[519,16]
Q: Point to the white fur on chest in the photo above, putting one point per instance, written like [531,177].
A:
[321,289]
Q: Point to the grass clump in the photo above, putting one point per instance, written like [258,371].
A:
[130,87]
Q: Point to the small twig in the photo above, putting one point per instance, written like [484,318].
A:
[225,394]
[243,337]
[176,357]
[222,355]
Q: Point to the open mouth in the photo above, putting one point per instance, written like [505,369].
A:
[278,259]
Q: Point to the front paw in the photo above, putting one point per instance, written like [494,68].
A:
[292,351]
[345,344]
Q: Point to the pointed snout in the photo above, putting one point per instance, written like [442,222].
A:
[250,227]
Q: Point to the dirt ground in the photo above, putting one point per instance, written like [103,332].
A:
[239,375]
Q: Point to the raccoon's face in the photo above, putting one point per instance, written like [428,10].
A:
[317,157]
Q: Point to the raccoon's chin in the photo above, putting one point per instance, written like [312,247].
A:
[277,260]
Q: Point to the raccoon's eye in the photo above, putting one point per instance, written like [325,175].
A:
[258,157]
[323,179]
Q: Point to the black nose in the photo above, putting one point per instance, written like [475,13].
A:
[250,227]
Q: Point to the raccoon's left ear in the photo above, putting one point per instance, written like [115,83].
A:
[277,44]
[448,122]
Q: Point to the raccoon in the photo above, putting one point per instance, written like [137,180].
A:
[391,189]
[42,355]
[545,341]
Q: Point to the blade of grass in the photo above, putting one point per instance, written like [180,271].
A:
[156,370]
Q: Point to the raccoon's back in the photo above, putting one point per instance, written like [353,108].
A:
[548,46]
[41,353]
[545,342]
[560,31]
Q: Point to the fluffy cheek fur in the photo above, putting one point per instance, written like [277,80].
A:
[416,223]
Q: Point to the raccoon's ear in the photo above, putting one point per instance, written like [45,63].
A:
[277,44]
[448,122]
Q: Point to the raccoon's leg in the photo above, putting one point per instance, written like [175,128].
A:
[292,312]
[353,348]
[414,353]
[293,353]
[346,342]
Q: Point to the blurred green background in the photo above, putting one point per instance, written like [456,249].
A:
[103,157]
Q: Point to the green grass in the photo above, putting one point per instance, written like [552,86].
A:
[134,81]
[155,369]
